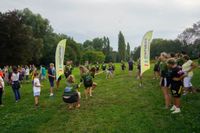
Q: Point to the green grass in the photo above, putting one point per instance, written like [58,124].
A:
[118,106]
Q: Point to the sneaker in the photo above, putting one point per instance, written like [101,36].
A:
[173,108]
[51,95]
[177,110]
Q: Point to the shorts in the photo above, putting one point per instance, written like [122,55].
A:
[36,94]
[165,82]
[176,90]
[156,68]
[187,82]
[71,97]
[51,83]
[87,85]
[59,78]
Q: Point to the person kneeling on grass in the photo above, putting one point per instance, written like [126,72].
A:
[71,94]
[86,78]
[36,88]
[176,77]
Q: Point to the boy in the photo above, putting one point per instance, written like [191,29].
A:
[36,88]
[176,77]
[51,75]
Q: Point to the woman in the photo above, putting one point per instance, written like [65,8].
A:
[165,79]
[15,83]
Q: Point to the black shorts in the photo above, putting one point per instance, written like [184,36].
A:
[165,82]
[59,78]
[176,90]
[156,68]
[71,98]
[87,85]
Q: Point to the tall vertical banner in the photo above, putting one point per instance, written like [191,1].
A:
[59,57]
[145,52]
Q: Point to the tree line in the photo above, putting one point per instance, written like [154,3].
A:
[28,38]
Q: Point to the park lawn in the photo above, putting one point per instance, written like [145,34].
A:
[118,106]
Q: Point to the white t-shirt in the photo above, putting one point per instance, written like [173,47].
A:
[2,82]
[36,82]
[27,71]
[15,77]
[187,66]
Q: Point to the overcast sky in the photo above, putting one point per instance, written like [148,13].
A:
[87,19]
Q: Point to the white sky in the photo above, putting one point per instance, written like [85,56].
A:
[87,19]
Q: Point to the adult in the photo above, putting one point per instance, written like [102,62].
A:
[130,66]
[15,83]
[188,67]
[51,76]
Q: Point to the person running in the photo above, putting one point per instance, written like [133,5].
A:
[156,68]
[36,88]
[71,94]
[188,68]
[51,76]
[176,77]
[164,80]
[130,67]
[103,67]
[15,83]
[86,78]
[1,90]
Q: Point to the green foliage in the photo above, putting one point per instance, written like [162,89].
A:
[121,47]
[93,56]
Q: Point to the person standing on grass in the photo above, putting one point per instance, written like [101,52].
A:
[123,66]
[36,88]
[1,90]
[103,67]
[164,80]
[176,78]
[27,72]
[51,76]
[199,61]
[68,69]
[86,78]
[188,68]
[43,73]
[130,67]
[16,83]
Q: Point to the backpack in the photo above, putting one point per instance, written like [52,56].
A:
[88,79]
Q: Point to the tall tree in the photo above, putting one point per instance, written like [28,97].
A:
[128,52]
[121,47]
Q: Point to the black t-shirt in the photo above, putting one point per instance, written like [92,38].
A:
[51,72]
[176,73]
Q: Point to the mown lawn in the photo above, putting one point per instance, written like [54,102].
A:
[118,106]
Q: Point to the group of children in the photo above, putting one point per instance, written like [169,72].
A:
[175,72]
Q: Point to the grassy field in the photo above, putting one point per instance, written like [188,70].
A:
[118,106]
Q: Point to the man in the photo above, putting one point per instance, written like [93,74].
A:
[51,76]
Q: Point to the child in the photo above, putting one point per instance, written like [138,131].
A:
[188,67]
[123,66]
[71,94]
[110,72]
[103,67]
[176,77]
[156,68]
[86,78]
[1,90]
[36,88]
[164,78]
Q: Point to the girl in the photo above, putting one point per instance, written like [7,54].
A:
[36,88]
[1,90]
[71,94]
[86,78]
[176,77]
[156,68]
[15,84]
[188,67]
[164,80]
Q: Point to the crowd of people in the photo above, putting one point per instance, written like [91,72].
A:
[175,72]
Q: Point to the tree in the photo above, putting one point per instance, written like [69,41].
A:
[128,52]
[18,45]
[121,47]
[93,56]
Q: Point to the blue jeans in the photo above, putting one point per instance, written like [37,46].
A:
[15,88]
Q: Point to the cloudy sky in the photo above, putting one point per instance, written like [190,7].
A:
[86,19]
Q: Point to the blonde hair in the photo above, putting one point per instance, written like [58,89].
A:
[71,79]
[83,69]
